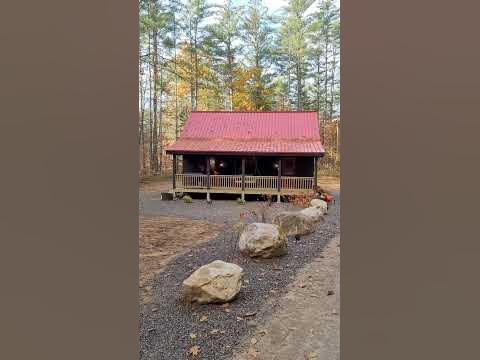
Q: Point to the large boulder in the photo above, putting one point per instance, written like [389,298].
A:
[294,223]
[217,282]
[315,213]
[319,203]
[262,240]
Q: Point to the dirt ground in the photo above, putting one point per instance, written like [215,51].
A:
[156,184]
[329,183]
[306,323]
[164,238]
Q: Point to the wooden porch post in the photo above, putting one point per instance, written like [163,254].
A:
[208,178]
[243,178]
[279,178]
[174,170]
[315,174]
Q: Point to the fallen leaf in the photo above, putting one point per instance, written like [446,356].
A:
[194,350]
[204,318]
[253,341]
[252,353]
[227,310]
[253,313]
[214,331]
[193,336]
[311,356]
[239,318]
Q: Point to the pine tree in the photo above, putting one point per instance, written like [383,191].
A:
[194,14]
[293,44]
[258,38]
[224,46]
[325,38]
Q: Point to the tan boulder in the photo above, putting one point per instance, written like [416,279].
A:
[315,213]
[262,240]
[294,223]
[319,203]
[216,282]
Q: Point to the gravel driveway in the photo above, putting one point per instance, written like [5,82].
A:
[218,211]
[169,327]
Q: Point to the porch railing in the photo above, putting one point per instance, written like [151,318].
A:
[234,182]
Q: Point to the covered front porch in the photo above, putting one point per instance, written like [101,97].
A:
[263,175]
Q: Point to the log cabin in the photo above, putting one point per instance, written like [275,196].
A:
[266,153]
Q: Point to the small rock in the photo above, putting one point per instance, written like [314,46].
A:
[253,341]
[330,292]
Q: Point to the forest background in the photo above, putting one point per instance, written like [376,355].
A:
[236,55]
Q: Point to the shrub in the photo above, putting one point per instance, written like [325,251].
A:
[241,201]
[187,199]
[301,200]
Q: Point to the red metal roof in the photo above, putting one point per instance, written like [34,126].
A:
[293,132]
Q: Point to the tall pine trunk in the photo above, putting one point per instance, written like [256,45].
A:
[196,68]
[175,71]
[299,84]
[160,124]
[150,96]
[142,120]
[154,158]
